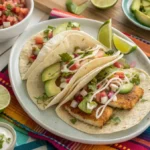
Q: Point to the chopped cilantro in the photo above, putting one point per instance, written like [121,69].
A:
[65,57]
[87,53]
[9,6]
[115,120]
[8,140]
[46,31]
[42,98]
[70,63]
[143,100]
[66,74]
[73,24]
[73,120]
[8,13]
[136,80]
[92,85]
[50,27]
[110,52]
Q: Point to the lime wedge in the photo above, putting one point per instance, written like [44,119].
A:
[4,98]
[105,34]
[103,4]
[123,45]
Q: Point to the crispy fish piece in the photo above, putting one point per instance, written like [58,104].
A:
[89,118]
[128,101]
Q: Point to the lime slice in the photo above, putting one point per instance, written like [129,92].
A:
[105,34]
[4,98]
[103,4]
[123,45]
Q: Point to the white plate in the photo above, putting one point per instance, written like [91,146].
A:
[48,119]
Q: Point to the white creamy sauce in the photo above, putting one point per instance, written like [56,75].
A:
[8,138]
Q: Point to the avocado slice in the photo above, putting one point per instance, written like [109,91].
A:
[142,18]
[136,4]
[51,72]
[145,3]
[126,88]
[60,28]
[51,89]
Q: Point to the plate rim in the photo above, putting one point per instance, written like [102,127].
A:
[124,2]
[45,126]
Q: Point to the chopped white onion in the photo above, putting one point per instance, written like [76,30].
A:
[62,80]
[115,98]
[83,93]
[142,76]
[0,13]
[6,24]
[74,104]
[63,85]
[114,87]
[104,99]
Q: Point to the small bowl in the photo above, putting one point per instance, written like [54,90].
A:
[13,31]
[126,9]
[8,127]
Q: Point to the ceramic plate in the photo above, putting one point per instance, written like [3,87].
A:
[126,9]
[48,119]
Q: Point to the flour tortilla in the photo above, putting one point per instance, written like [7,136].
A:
[129,118]
[24,66]
[35,86]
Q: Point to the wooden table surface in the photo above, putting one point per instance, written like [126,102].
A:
[119,19]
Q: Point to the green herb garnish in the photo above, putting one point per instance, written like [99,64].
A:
[73,25]
[8,6]
[110,52]
[50,27]
[70,63]
[66,74]
[87,53]
[8,13]
[73,120]
[42,98]
[136,80]
[8,140]
[92,85]
[143,100]
[1,140]
[115,120]
[65,57]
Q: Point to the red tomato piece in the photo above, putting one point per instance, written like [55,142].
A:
[2,8]
[76,55]
[68,79]
[74,66]
[24,11]
[75,28]
[99,95]
[118,65]
[39,40]
[1,22]
[10,19]
[79,98]
[32,58]
[4,18]
[120,74]
[99,86]
[16,10]
[20,17]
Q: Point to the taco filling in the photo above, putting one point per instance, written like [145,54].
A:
[112,88]
[57,76]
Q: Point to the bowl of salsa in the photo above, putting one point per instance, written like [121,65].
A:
[14,17]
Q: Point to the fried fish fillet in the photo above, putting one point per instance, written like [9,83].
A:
[89,118]
[128,101]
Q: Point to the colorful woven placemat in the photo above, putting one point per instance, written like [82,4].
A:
[15,114]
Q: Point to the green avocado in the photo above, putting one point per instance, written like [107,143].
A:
[60,28]
[126,88]
[135,5]
[142,18]
[51,89]
[51,72]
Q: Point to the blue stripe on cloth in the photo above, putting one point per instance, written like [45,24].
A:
[145,135]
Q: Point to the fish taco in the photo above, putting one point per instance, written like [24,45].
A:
[74,57]
[111,98]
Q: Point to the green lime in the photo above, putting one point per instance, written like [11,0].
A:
[4,98]
[103,4]
[123,45]
[105,34]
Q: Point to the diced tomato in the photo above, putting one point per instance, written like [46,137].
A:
[75,28]
[120,74]
[24,11]
[1,22]
[50,34]
[16,1]
[10,19]
[99,86]
[100,54]
[68,79]
[20,17]
[79,98]
[16,10]
[4,18]
[32,58]
[74,66]
[76,55]
[39,40]
[118,65]
[99,95]
[2,8]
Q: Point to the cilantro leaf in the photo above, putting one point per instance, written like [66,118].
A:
[115,120]
[65,57]
[66,74]
[41,98]
[110,52]
[136,80]
[73,120]
[9,6]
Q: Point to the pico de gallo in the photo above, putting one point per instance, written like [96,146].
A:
[47,34]
[12,12]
